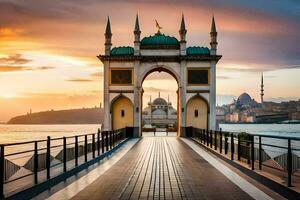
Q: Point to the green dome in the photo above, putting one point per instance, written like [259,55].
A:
[197,51]
[116,51]
[160,40]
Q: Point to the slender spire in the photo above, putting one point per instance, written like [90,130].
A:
[108,29]
[108,36]
[158,94]
[137,24]
[182,26]
[262,88]
[213,37]
[213,25]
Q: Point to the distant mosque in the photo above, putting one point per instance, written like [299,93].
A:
[245,101]
[159,113]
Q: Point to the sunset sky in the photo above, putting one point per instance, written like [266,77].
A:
[48,48]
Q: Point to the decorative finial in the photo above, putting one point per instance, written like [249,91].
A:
[158,27]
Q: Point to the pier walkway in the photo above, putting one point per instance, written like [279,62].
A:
[169,168]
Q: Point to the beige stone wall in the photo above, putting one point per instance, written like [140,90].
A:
[119,121]
[200,121]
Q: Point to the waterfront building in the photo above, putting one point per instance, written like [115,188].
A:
[126,67]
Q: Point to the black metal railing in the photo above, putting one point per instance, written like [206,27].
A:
[275,155]
[27,164]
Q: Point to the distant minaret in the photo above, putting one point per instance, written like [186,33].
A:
[158,94]
[262,89]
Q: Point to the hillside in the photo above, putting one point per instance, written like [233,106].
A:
[73,116]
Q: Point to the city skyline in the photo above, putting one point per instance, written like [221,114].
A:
[48,58]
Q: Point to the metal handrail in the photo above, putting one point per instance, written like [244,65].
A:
[69,151]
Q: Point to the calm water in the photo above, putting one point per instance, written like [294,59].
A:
[20,133]
[287,130]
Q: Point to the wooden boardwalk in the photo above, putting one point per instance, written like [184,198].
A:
[162,168]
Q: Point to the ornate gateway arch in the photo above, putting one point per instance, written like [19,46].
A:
[125,69]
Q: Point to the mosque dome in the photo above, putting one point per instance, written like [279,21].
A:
[244,99]
[159,101]
[159,40]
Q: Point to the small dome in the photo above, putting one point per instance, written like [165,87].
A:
[159,101]
[195,50]
[117,51]
[159,40]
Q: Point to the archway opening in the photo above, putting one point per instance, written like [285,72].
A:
[122,113]
[160,103]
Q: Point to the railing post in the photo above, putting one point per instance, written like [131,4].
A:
[207,137]
[76,150]
[110,139]
[216,140]
[2,175]
[36,162]
[65,153]
[106,140]
[93,145]
[252,153]
[289,164]
[221,141]
[259,152]
[226,143]
[201,135]
[102,141]
[249,151]
[239,148]
[48,157]
[98,141]
[211,138]
[85,148]
[232,147]
[113,138]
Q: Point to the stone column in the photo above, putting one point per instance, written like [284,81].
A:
[182,98]
[107,114]
[212,96]
[137,103]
